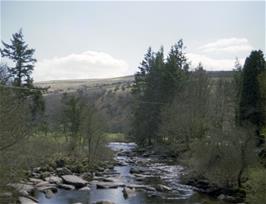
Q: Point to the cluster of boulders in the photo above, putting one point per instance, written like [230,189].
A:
[50,178]
[49,186]
[59,175]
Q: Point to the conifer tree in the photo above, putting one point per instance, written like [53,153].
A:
[23,60]
[20,71]
[250,100]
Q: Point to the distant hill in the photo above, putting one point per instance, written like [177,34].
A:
[73,85]
[110,96]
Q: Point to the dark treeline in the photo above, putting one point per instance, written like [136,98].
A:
[215,125]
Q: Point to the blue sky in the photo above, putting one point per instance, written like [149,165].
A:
[107,39]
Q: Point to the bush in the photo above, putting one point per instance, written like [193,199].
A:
[256,186]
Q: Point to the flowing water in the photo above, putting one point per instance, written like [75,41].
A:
[155,171]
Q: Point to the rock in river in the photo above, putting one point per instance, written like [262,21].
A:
[104,185]
[104,202]
[74,180]
[128,192]
[53,179]
[23,189]
[162,188]
[24,200]
[66,186]
[86,188]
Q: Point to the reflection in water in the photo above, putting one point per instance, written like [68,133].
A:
[168,174]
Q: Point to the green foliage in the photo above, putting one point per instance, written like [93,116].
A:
[92,132]
[19,75]
[154,85]
[71,118]
[256,186]
[15,123]
[262,88]
[250,93]
[4,75]
[116,137]
[22,56]
[185,118]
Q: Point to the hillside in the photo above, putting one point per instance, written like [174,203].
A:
[111,96]
[73,85]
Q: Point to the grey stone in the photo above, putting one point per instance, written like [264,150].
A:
[66,186]
[74,180]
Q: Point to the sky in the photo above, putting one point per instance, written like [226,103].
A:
[79,40]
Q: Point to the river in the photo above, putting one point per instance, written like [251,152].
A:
[155,172]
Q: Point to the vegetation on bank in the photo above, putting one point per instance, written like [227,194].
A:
[215,126]
[27,138]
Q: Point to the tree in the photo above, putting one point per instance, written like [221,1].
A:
[185,118]
[139,89]
[176,70]
[92,129]
[155,85]
[20,73]
[15,128]
[4,75]
[250,93]
[226,150]
[14,120]
[71,118]
[22,57]
[262,85]
[238,80]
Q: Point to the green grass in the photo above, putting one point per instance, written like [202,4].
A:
[115,137]
[59,138]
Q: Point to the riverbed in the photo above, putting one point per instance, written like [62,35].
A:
[141,173]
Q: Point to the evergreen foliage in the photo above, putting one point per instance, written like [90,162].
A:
[22,56]
[155,85]
[250,107]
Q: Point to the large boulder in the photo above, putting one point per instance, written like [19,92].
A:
[74,180]
[54,179]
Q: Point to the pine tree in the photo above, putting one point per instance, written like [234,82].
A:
[176,69]
[19,75]
[22,57]
[155,85]
[250,109]
[139,90]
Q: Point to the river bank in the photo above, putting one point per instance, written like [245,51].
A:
[134,176]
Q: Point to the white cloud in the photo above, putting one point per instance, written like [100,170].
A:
[230,45]
[89,64]
[212,63]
